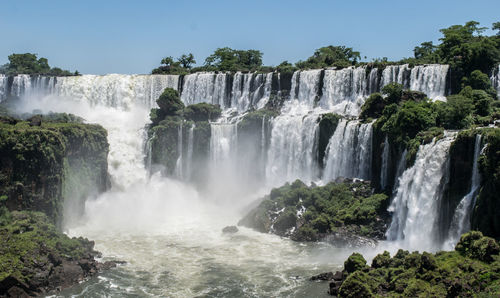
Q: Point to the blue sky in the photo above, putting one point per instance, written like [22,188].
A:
[132,36]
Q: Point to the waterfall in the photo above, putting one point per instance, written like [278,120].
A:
[189,158]
[121,91]
[349,151]
[204,87]
[305,87]
[345,90]
[291,152]
[267,91]
[400,168]
[179,162]
[385,162]
[420,188]
[222,145]
[495,80]
[4,85]
[263,140]
[429,79]
[249,89]
[460,222]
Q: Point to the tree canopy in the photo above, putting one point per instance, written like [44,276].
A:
[338,56]
[29,64]
[227,59]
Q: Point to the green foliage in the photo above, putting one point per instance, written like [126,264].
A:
[460,273]
[392,92]
[180,67]
[474,245]
[485,215]
[455,113]
[338,56]
[410,119]
[373,106]
[202,112]
[34,162]
[169,102]
[227,59]
[354,263]
[316,211]
[26,241]
[29,64]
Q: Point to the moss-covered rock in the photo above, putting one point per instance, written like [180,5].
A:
[36,163]
[312,213]
[202,112]
[35,258]
[473,269]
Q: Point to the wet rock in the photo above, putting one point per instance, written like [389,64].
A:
[323,276]
[230,230]
[35,120]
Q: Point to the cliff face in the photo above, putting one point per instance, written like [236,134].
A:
[485,217]
[41,166]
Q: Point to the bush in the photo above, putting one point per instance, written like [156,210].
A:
[202,112]
[477,246]
[170,102]
[455,113]
[354,263]
[373,106]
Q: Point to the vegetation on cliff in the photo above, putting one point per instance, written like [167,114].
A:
[310,213]
[472,269]
[39,157]
[36,258]
[29,64]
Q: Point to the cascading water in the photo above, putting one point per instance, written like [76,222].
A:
[205,87]
[349,151]
[385,164]
[291,150]
[305,87]
[189,157]
[460,222]
[179,163]
[429,79]
[420,188]
[168,233]
[345,90]
[4,85]
[495,80]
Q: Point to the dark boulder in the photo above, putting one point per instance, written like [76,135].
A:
[230,230]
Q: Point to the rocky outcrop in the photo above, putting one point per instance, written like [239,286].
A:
[469,270]
[36,259]
[346,213]
[40,165]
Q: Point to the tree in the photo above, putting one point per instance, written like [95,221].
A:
[393,92]
[467,50]
[167,61]
[170,102]
[29,64]
[187,60]
[339,56]
[227,59]
[496,26]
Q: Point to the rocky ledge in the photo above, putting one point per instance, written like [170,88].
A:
[36,259]
[473,269]
[346,213]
